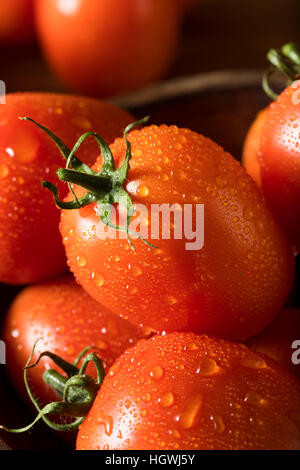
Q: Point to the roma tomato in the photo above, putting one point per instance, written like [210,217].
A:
[16,21]
[276,341]
[188,392]
[233,286]
[279,156]
[30,243]
[67,320]
[252,147]
[106,48]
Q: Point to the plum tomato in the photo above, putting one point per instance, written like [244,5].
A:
[281,340]
[30,243]
[232,287]
[101,47]
[188,392]
[67,320]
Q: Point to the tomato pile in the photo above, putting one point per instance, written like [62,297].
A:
[177,342]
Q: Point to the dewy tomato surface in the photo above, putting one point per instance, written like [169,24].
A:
[232,287]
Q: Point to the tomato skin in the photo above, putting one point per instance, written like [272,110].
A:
[279,159]
[90,47]
[30,242]
[252,146]
[158,396]
[276,340]
[67,320]
[16,21]
[171,288]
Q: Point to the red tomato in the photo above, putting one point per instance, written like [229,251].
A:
[16,21]
[232,287]
[105,48]
[185,392]
[30,243]
[279,156]
[67,320]
[277,339]
[252,146]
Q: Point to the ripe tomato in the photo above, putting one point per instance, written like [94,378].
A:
[279,156]
[232,287]
[67,320]
[252,146]
[105,48]
[30,243]
[277,339]
[16,21]
[182,391]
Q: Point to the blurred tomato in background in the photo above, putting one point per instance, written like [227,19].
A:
[104,48]
[16,21]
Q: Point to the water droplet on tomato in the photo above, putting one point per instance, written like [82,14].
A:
[15,333]
[170,300]
[98,279]
[137,271]
[188,418]
[254,398]
[221,181]
[218,423]
[24,148]
[82,122]
[254,363]
[101,345]
[106,421]
[137,153]
[143,190]
[81,261]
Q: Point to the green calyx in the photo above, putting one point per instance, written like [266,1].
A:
[285,60]
[104,188]
[77,390]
